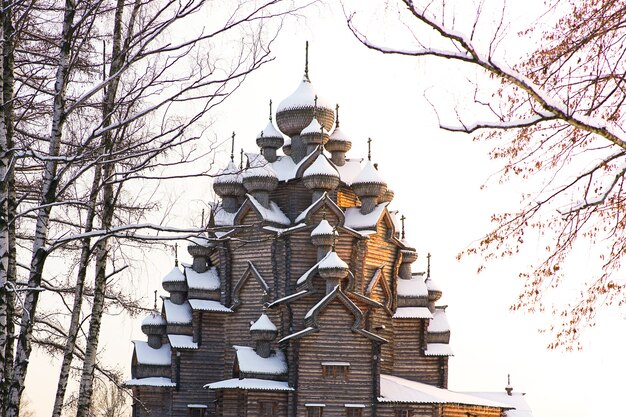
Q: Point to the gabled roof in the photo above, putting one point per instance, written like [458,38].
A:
[378,279]
[147,355]
[181,341]
[358,221]
[250,362]
[323,201]
[153,381]
[250,271]
[272,215]
[208,280]
[310,319]
[177,313]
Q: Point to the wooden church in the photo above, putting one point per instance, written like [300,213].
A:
[301,300]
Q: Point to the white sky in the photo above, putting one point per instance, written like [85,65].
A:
[436,177]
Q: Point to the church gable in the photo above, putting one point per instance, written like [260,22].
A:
[251,276]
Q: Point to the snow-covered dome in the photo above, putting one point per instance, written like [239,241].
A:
[229,182]
[153,319]
[263,323]
[369,186]
[270,137]
[175,275]
[332,261]
[368,175]
[323,229]
[296,111]
[314,128]
[259,167]
[321,175]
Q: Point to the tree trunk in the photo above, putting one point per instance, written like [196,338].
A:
[50,182]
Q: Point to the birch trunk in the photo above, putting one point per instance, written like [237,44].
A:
[8,301]
[48,195]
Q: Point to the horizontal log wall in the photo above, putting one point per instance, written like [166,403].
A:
[335,342]
[464,410]
[255,398]
[292,197]
[151,402]
[409,360]
[417,410]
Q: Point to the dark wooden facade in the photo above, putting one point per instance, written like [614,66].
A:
[338,326]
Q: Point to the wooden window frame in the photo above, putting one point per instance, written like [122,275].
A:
[337,372]
[272,408]
[354,411]
[314,411]
[403,412]
[196,412]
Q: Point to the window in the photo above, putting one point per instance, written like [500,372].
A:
[403,412]
[267,409]
[353,411]
[196,410]
[335,371]
[314,410]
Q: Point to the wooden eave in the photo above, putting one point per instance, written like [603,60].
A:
[306,162]
[250,271]
[326,201]
[246,207]
[376,280]
[289,298]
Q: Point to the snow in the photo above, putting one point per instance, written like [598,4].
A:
[439,322]
[430,284]
[368,175]
[399,390]
[332,261]
[414,287]
[303,97]
[320,302]
[208,280]
[250,362]
[285,168]
[297,334]
[413,313]
[323,229]
[223,218]
[153,319]
[350,170]
[153,381]
[209,305]
[522,409]
[259,167]
[315,405]
[321,166]
[263,323]
[280,230]
[356,220]
[196,406]
[354,405]
[338,135]
[250,384]
[149,356]
[180,341]
[177,314]
[438,349]
[228,175]
[270,132]
[335,363]
[304,213]
[288,298]
[175,275]
[305,276]
[272,214]
[313,128]
[201,240]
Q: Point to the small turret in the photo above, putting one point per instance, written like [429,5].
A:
[228,184]
[314,134]
[263,332]
[369,186]
[332,268]
[259,179]
[154,326]
[175,283]
[434,293]
[200,249]
[320,177]
[509,387]
[322,238]
[269,140]
[338,143]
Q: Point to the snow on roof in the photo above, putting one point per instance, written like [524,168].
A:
[305,276]
[288,298]
[284,167]
[349,170]
[281,230]
[430,284]
[197,406]
[175,275]
[298,334]
[150,356]
[517,400]
[201,240]
[324,228]
[414,287]
[272,214]
[269,132]
[303,97]
[259,167]
[250,362]
[180,341]
[222,217]
[368,175]
[321,166]
[230,174]
[356,220]
[438,349]
[177,313]
[439,322]
[339,135]
[208,280]
[252,384]
[263,323]
[153,381]
[413,313]
[399,390]
[209,305]
[322,301]
[153,319]
[304,213]
[313,128]
[332,261]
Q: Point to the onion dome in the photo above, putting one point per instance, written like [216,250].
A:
[332,266]
[270,139]
[154,326]
[320,176]
[387,196]
[260,178]
[176,284]
[287,147]
[228,182]
[313,135]
[338,143]
[369,186]
[296,111]
[263,332]
[322,234]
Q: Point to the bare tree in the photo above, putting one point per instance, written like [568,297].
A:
[91,78]
[556,115]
